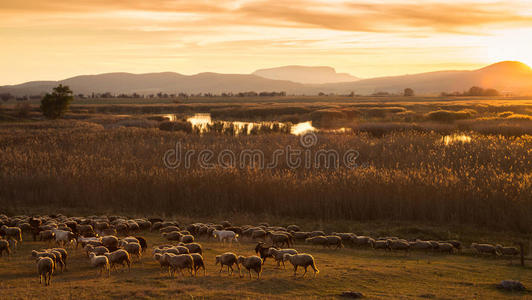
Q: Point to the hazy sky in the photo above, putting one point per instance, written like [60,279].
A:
[55,39]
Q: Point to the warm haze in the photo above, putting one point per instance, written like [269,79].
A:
[56,39]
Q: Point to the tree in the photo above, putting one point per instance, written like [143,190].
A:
[408,92]
[55,105]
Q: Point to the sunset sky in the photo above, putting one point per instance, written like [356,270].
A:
[55,39]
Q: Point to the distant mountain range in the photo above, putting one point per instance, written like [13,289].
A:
[508,76]
[307,75]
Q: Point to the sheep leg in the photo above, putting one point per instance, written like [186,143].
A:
[221,267]
[295,270]
[305,271]
[231,267]
[40,278]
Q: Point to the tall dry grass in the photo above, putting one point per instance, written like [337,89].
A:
[405,176]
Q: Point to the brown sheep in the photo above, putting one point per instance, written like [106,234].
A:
[119,257]
[194,248]
[227,259]
[334,240]
[172,236]
[180,262]
[110,242]
[134,249]
[45,268]
[279,239]
[12,233]
[198,263]
[98,250]
[303,260]
[251,263]
[186,239]
[317,240]
[278,255]
[4,246]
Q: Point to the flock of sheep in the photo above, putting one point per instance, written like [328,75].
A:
[98,236]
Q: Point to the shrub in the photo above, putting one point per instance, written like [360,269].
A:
[55,105]
[22,109]
[449,116]
[179,125]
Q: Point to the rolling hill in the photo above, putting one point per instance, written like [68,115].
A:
[514,77]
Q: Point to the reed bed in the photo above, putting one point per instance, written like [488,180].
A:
[400,176]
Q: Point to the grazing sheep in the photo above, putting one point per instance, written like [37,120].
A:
[445,247]
[4,246]
[119,257]
[334,240]
[98,250]
[317,240]
[101,262]
[194,248]
[227,259]
[168,229]
[13,244]
[301,235]
[172,236]
[63,237]
[225,235]
[258,233]
[162,261]
[398,245]
[143,243]
[110,242]
[363,241]
[456,244]
[198,263]
[45,268]
[263,251]
[485,248]
[180,262]
[57,257]
[85,230]
[316,233]
[187,239]
[278,255]
[380,244]
[279,239]
[251,263]
[109,231]
[293,228]
[46,235]
[54,255]
[347,238]
[507,251]
[421,245]
[303,260]
[134,249]
[12,233]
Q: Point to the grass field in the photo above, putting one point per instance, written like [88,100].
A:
[376,274]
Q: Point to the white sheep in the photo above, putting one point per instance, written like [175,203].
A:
[101,262]
[225,235]
[63,237]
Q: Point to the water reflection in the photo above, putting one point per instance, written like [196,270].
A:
[456,138]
